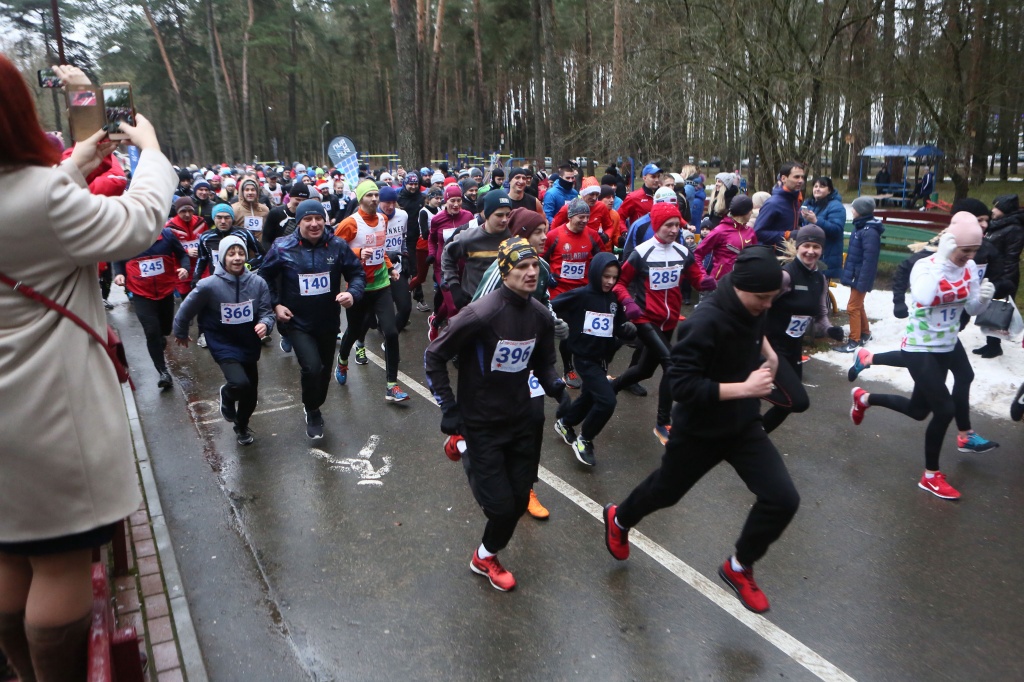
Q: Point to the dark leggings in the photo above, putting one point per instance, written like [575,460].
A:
[563,350]
[374,304]
[403,305]
[314,351]
[156,317]
[416,283]
[106,279]
[962,415]
[596,403]
[931,396]
[788,394]
[243,378]
[655,352]
[753,456]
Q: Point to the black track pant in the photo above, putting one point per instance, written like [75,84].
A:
[106,279]
[655,352]
[156,317]
[402,298]
[501,463]
[962,417]
[789,394]
[375,305]
[931,396]
[596,402]
[315,353]
[755,459]
[563,350]
[243,378]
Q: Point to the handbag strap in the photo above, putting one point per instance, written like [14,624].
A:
[29,292]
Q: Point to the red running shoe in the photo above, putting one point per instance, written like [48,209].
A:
[859,408]
[491,568]
[615,539]
[454,447]
[938,486]
[743,585]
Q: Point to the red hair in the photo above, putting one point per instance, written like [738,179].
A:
[22,141]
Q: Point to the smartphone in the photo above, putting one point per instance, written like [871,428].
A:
[47,79]
[118,105]
[85,110]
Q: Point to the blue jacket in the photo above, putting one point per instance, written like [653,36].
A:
[862,258]
[292,256]
[779,215]
[557,196]
[695,197]
[831,216]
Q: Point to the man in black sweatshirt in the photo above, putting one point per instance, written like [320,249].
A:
[721,366]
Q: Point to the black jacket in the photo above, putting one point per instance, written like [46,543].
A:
[489,396]
[719,343]
[1007,234]
[410,202]
[597,341]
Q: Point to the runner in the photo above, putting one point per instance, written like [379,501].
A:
[639,202]
[237,314]
[640,231]
[281,219]
[472,250]
[511,334]
[366,232]
[431,204]
[721,367]
[443,226]
[152,278]
[249,212]
[940,286]
[397,246]
[518,181]
[303,272]
[725,242]
[187,227]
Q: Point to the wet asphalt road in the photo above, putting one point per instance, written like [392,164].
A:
[347,558]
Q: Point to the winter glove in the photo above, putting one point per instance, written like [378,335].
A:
[900,310]
[459,297]
[947,244]
[627,331]
[561,329]
[632,310]
[430,260]
[835,333]
[708,283]
[986,291]
[451,420]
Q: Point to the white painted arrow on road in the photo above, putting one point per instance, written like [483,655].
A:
[360,464]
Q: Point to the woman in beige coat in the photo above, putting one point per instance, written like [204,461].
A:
[67,469]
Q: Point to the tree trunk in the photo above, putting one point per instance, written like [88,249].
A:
[481,93]
[174,82]
[403,14]
[618,47]
[555,77]
[218,89]
[246,127]
[293,89]
[435,65]
[977,107]
[235,139]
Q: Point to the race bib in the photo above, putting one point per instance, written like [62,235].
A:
[236,313]
[253,223]
[447,233]
[536,390]
[598,324]
[511,356]
[573,269]
[192,244]
[944,316]
[216,256]
[327,207]
[797,325]
[664,278]
[151,267]
[393,242]
[981,271]
[315,284]
[376,256]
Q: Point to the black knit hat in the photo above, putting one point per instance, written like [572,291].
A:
[757,270]
[741,204]
[975,207]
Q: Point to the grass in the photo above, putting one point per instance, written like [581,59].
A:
[987,192]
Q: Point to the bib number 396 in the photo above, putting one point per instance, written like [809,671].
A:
[236,313]
[511,356]
[315,285]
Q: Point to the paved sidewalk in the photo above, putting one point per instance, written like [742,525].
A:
[151,597]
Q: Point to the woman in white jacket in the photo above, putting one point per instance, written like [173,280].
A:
[67,467]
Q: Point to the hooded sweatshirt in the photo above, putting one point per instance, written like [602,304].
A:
[593,316]
[250,216]
[724,243]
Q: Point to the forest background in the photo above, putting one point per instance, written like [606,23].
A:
[666,80]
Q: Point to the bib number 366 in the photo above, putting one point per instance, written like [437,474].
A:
[511,356]
[236,313]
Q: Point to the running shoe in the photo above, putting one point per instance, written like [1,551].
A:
[638,390]
[859,407]
[865,337]
[432,330]
[454,447]
[975,443]
[938,486]
[314,424]
[615,539]
[567,433]
[862,358]
[492,569]
[165,381]
[243,435]
[584,450]
[849,347]
[535,509]
[108,305]
[227,407]
[1017,408]
[361,354]
[201,341]
[341,374]
[742,583]
[572,379]
[286,345]
[662,432]
[395,394]
[422,307]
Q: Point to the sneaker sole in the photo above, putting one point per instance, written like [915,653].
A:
[607,541]
[988,448]
[579,458]
[936,493]
[748,607]
[476,570]
[392,399]
[314,437]
[564,436]
[247,441]
[663,441]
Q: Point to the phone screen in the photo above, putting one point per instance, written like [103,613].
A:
[82,98]
[117,104]
[47,79]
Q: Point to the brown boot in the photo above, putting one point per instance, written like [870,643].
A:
[15,645]
[61,653]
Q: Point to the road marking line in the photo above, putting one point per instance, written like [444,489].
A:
[719,596]
[219,418]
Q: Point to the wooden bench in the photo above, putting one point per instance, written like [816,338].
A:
[897,237]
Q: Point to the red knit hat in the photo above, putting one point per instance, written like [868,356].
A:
[451,191]
[662,212]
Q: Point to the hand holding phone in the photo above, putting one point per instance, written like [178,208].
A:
[47,78]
